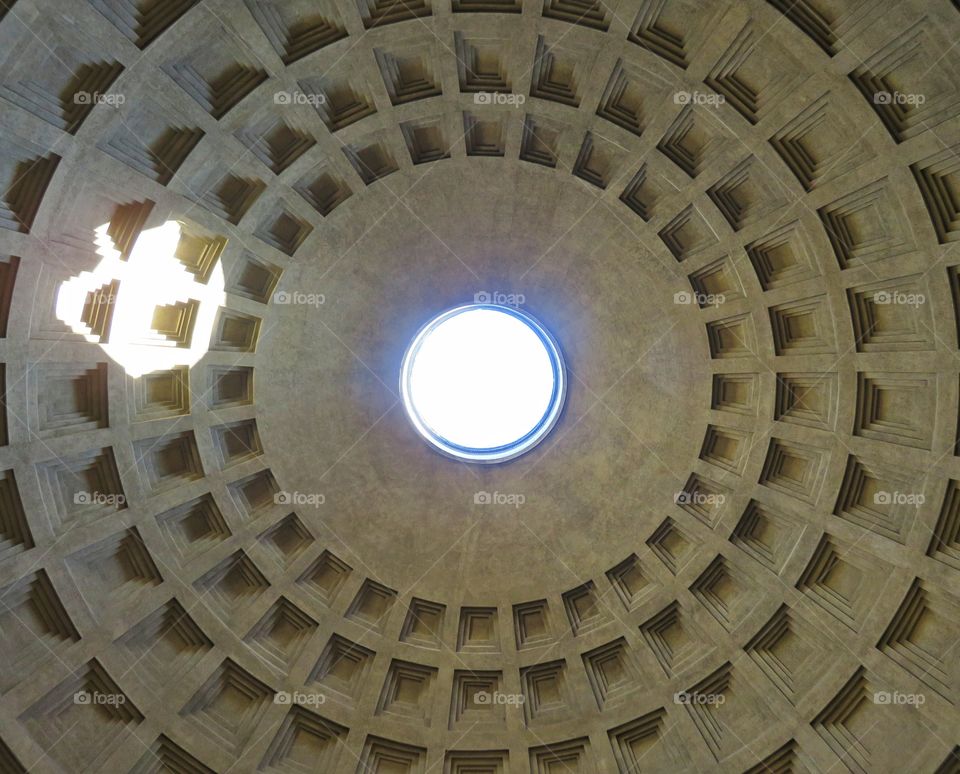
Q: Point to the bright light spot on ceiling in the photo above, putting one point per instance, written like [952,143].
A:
[153,289]
[483,383]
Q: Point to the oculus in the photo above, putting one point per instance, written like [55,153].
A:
[483,382]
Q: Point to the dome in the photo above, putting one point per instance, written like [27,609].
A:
[723,533]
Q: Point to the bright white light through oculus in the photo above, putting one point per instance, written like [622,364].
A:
[483,382]
[151,280]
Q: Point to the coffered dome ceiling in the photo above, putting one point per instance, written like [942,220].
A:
[223,547]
